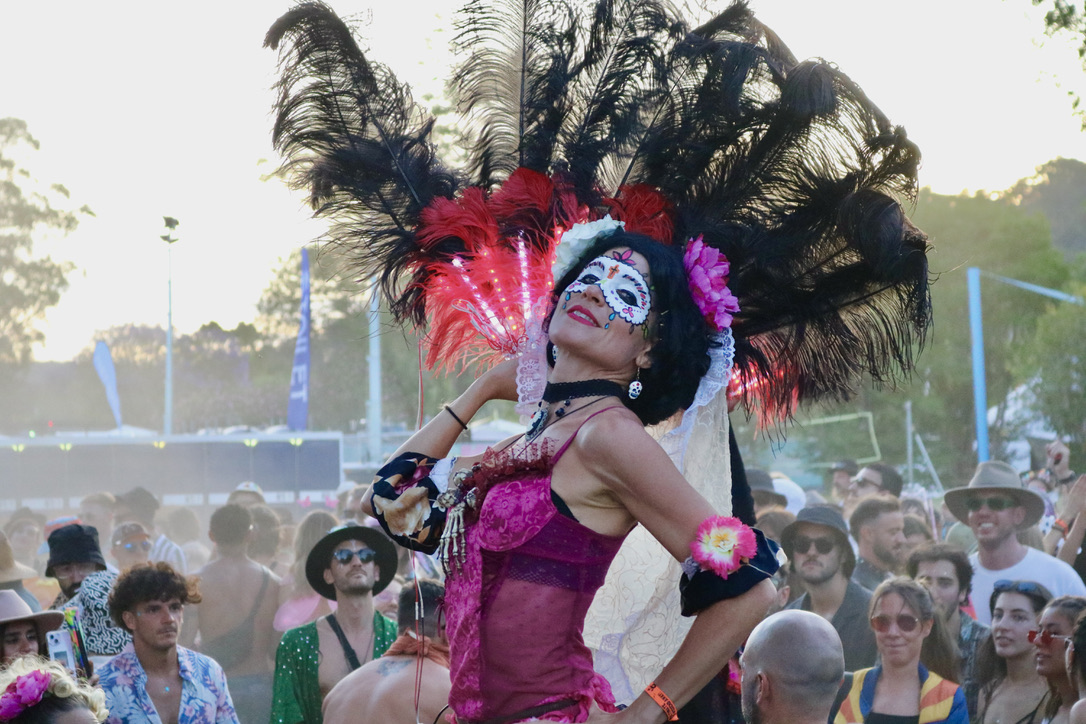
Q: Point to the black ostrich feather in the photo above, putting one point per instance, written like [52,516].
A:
[351,135]
[785,166]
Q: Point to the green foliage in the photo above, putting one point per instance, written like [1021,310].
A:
[29,285]
[1000,238]
[1061,18]
[1057,190]
[1052,365]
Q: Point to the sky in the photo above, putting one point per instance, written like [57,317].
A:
[145,110]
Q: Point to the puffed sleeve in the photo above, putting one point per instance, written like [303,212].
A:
[405,493]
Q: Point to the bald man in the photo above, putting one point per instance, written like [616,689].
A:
[780,687]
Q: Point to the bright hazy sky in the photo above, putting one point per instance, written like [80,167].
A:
[152,109]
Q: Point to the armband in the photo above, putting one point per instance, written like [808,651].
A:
[728,561]
[664,701]
[404,502]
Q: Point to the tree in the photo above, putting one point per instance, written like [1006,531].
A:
[999,237]
[29,285]
[1063,17]
[1057,190]
[1052,365]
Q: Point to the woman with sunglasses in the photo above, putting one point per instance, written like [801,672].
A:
[1076,649]
[915,681]
[1012,690]
[1051,637]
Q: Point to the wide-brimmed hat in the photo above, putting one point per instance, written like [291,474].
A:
[995,475]
[14,608]
[74,543]
[830,518]
[320,558]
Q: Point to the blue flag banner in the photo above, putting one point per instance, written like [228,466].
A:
[298,405]
[103,364]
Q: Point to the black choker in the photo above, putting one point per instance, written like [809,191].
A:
[566,392]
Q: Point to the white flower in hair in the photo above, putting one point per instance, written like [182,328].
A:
[576,239]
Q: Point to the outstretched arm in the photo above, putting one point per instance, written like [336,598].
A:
[639,473]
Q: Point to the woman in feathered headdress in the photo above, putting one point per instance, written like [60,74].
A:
[657,212]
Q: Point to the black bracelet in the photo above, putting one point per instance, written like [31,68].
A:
[455,417]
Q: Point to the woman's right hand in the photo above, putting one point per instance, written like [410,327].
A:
[500,381]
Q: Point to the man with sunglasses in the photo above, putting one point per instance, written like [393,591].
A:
[996,505]
[821,556]
[130,545]
[350,565]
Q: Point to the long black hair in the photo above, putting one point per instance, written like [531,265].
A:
[680,350]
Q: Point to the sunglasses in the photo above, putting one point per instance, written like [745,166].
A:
[1027,588]
[1047,637]
[994,503]
[142,545]
[905,622]
[344,555]
[860,482]
[802,544]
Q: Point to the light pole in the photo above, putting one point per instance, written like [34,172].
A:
[167,416]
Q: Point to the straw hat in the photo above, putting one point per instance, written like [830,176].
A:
[991,476]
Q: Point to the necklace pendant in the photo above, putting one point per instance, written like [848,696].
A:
[539,421]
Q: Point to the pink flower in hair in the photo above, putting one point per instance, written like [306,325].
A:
[723,544]
[707,271]
[23,693]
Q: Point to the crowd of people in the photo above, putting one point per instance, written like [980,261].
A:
[893,631]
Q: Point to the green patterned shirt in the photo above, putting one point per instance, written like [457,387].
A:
[297,692]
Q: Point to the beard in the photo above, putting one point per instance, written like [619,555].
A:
[821,575]
[888,557]
[751,713]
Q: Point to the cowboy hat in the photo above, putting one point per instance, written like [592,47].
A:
[13,608]
[320,558]
[992,476]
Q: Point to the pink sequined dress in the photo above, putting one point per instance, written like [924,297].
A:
[516,608]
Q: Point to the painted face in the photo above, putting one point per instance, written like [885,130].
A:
[624,288]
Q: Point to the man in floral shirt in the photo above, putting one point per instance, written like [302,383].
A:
[155,681]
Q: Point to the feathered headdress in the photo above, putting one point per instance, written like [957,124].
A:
[716,132]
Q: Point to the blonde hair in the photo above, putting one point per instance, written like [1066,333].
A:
[64,693]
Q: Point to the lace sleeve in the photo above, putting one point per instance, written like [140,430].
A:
[405,493]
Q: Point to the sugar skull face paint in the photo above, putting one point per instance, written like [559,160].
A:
[624,288]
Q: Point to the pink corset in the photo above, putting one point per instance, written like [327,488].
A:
[516,609]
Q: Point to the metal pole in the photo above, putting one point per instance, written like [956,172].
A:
[909,439]
[980,391]
[167,414]
[373,418]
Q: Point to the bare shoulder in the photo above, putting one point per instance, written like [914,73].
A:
[619,451]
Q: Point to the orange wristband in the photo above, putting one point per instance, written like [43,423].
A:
[663,700]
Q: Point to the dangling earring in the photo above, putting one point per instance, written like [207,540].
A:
[635,387]
[554,353]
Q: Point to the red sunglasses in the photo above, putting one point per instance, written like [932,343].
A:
[1047,637]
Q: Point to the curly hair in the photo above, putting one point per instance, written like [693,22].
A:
[150,582]
[680,351]
[64,693]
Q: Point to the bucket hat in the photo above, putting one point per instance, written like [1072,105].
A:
[995,475]
[74,543]
[830,518]
[320,558]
